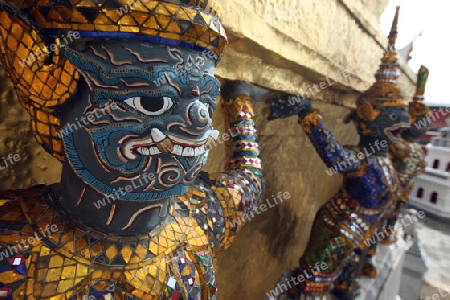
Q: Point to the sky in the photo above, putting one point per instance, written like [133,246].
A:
[432,48]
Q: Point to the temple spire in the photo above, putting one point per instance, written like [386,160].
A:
[393,34]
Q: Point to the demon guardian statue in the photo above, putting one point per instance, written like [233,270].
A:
[369,190]
[122,93]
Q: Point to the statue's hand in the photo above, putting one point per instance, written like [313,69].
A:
[304,105]
[284,105]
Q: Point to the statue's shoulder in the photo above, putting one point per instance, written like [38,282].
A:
[14,205]
[34,192]
[17,237]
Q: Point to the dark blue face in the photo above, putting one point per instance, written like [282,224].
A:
[145,112]
[388,125]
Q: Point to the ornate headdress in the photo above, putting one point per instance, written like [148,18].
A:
[385,90]
[32,31]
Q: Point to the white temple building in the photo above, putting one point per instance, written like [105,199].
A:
[431,190]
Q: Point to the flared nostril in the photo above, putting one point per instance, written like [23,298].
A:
[198,113]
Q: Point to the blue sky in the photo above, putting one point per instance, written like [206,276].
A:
[432,49]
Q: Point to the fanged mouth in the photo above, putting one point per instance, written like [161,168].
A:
[177,150]
[394,133]
[160,143]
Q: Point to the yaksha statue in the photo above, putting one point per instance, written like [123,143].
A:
[408,160]
[369,189]
[408,156]
[122,93]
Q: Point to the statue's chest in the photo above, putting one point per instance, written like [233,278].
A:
[181,274]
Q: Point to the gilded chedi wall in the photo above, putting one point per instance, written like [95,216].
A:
[285,45]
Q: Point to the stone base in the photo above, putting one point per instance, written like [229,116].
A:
[389,263]
[413,272]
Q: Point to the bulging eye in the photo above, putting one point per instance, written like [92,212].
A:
[393,116]
[150,106]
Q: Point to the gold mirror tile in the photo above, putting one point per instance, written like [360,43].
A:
[68,236]
[112,15]
[9,277]
[141,251]
[199,29]
[56,261]
[97,275]
[82,270]
[65,284]
[62,25]
[173,27]
[126,28]
[81,243]
[157,286]
[65,13]
[84,3]
[57,146]
[152,23]
[11,216]
[182,15]
[107,28]
[96,249]
[171,235]
[161,10]
[162,241]
[69,262]
[111,252]
[172,8]
[154,247]
[70,246]
[140,7]
[77,17]
[190,12]
[44,251]
[152,270]
[140,17]
[55,16]
[126,253]
[49,290]
[86,27]
[79,234]
[12,42]
[69,272]
[163,21]
[127,20]
[53,275]
[47,92]
[138,284]
[169,35]
[41,274]
[39,139]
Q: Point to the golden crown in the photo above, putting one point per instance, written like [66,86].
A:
[385,90]
[186,23]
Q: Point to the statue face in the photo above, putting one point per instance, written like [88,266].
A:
[142,117]
[388,125]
